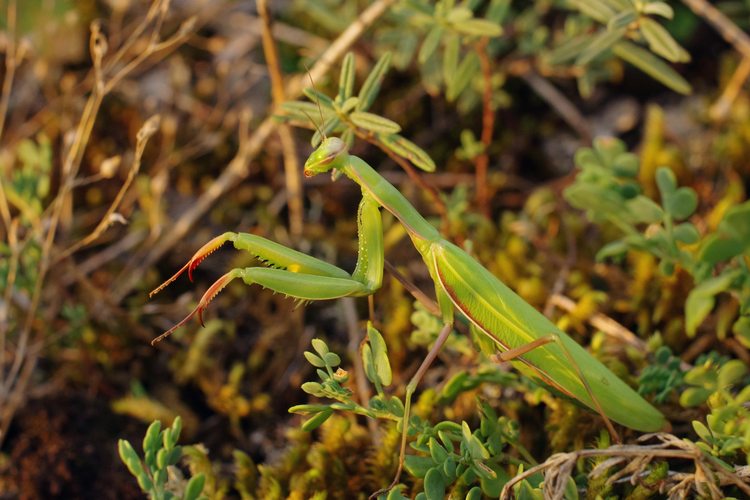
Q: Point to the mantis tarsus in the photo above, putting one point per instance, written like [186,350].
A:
[522,334]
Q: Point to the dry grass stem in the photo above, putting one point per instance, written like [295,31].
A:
[709,473]
[292,174]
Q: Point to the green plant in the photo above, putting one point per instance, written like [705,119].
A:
[450,455]
[156,472]
[608,189]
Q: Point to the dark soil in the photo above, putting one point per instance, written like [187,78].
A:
[65,446]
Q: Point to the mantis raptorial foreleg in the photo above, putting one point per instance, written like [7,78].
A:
[294,273]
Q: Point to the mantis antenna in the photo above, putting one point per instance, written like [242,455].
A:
[317,101]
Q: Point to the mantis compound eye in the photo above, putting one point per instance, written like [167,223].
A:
[324,158]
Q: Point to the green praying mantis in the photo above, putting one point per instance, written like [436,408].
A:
[462,285]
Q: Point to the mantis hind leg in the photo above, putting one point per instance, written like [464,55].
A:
[410,388]
[521,350]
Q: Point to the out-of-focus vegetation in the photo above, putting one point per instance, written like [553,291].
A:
[591,154]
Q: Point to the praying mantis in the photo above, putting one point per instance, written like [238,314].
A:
[462,285]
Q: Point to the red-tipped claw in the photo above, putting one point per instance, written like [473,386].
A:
[212,291]
[194,261]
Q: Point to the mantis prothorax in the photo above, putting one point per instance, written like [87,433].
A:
[522,334]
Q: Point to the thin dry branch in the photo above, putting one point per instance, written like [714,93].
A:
[734,36]
[488,128]
[559,103]
[147,130]
[709,471]
[291,163]
[726,28]
[601,322]
[11,61]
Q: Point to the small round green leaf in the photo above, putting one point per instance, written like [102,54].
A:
[686,233]
[434,484]
[314,359]
[194,487]
[682,203]
[152,439]
[694,396]
[320,346]
[313,388]
[332,359]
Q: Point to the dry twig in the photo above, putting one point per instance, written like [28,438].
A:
[291,162]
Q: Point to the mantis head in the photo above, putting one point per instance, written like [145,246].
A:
[330,154]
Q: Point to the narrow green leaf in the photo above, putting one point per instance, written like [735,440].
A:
[457,14]
[661,42]
[172,435]
[346,79]
[450,58]
[307,408]
[652,66]
[374,123]
[595,9]
[603,41]
[317,420]
[467,70]
[194,487]
[371,87]
[349,105]
[622,20]
[304,112]
[566,51]
[430,43]
[658,9]
[478,27]
[318,97]
[407,149]
[145,483]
